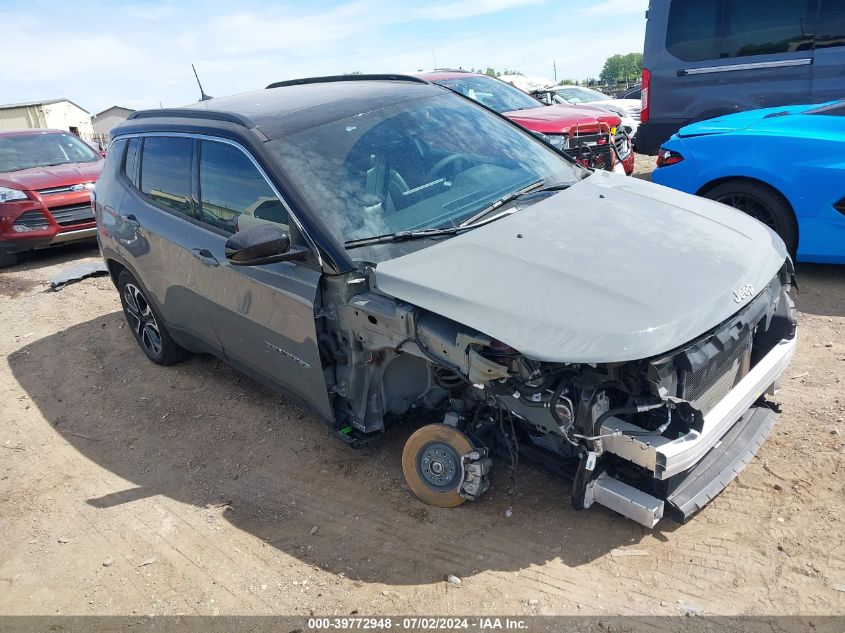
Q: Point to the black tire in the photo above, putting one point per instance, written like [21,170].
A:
[761,203]
[145,322]
[7,260]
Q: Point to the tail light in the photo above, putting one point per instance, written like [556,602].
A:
[666,157]
[645,93]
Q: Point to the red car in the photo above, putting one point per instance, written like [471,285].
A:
[591,135]
[46,178]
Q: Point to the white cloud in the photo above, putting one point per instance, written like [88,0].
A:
[469,8]
[616,7]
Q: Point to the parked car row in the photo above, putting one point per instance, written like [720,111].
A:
[593,136]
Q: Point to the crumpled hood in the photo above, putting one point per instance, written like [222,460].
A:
[53,176]
[612,269]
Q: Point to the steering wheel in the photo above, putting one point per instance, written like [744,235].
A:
[443,163]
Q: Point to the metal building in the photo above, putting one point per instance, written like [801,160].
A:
[57,114]
[109,118]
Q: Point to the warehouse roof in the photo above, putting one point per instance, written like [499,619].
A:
[27,104]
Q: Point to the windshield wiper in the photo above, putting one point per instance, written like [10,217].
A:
[403,236]
[535,187]
[500,203]
[473,222]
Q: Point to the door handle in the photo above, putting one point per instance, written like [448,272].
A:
[205,256]
[131,220]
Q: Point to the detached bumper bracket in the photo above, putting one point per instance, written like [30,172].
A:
[690,491]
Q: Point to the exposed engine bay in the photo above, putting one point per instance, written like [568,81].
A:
[628,434]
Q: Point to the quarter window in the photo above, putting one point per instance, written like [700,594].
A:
[166,172]
[234,195]
[831,24]
[130,166]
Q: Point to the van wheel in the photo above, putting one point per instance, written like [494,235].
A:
[432,462]
[7,260]
[145,323]
[761,203]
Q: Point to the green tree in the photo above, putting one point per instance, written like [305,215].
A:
[491,72]
[622,68]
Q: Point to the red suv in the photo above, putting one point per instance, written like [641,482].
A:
[593,136]
[46,178]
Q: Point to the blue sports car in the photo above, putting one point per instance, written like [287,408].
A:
[784,166]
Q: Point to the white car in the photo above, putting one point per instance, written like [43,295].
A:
[628,109]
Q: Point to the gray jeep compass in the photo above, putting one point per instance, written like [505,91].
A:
[383,250]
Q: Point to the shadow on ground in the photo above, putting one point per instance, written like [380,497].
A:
[69,253]
[821,289]
[203,434]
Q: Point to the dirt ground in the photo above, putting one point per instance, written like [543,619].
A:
[128,488]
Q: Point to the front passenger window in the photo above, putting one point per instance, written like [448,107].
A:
[234,195]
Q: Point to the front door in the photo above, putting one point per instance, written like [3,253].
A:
[262,315]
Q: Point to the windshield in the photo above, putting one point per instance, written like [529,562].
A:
[42,150]
[427,163]
[495,94]
[575,94]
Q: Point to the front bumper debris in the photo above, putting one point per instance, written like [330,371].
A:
[691,470]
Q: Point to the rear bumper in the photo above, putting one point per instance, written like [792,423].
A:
[652,134]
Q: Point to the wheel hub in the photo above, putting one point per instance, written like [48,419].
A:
[439,464]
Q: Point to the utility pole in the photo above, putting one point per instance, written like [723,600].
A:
[554,63]
[434,58]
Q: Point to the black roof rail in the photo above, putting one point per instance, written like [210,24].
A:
[334,78]
[186,113]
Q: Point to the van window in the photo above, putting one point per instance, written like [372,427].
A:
[234,195]
[831,24]
[763,27]
[692,33]
[166,172]
[696,32]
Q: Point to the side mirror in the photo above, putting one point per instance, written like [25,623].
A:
[261,244]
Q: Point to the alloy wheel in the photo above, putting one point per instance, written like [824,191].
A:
[750,206]
[141,319]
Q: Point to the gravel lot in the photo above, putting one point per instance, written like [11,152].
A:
[127,488]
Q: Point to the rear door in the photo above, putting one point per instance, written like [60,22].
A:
[153,226]
[262,315]
[829,63]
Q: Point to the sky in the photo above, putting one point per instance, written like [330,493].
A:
[139,54]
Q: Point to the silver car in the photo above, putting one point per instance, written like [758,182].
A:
[385,251]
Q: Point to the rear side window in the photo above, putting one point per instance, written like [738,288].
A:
[831,24]
[166,172]
[700,30]
[692,33]
[130,165]
[234,195]
[763,27]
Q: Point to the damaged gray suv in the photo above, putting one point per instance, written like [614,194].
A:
[383,250]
